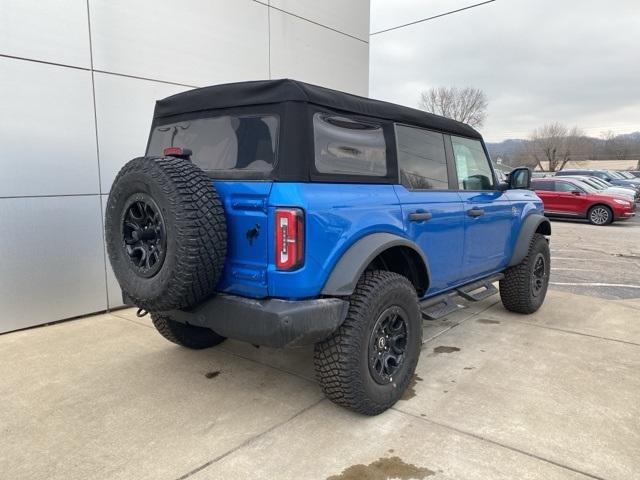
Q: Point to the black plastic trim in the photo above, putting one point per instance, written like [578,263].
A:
[529,226]
[347,272]
[270,322]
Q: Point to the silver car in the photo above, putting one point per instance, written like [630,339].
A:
[606,188]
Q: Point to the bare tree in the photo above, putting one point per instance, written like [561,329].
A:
[553,143]
[468,105]
[574,146]
[615,146]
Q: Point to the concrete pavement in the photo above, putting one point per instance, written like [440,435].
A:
[497,395]
[596,261]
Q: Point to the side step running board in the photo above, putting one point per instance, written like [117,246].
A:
[486,287]
[442,305]
[438,307]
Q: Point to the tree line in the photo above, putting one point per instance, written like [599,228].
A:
[554,144]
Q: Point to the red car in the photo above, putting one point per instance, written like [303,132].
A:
[567,197]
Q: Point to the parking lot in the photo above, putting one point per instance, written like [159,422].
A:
[599,261]
[496,395]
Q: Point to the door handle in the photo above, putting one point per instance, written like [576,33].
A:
[420,216]
[475,212]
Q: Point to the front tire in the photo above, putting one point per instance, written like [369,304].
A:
[524,286]
[600,215]
[368,362]
[188,336]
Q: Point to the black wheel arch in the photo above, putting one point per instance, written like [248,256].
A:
[385,251]
[532,224]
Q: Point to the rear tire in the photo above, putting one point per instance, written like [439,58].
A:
[524,286]
[368,362]
[185,335]
[165,232]
[600,215]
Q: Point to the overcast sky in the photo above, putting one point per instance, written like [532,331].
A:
[538,61]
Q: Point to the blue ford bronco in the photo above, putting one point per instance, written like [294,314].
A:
[284,214]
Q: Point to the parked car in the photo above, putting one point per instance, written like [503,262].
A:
[569,197]
[605,175]
[635,173]
[605,188]
[626,174]
[284,214]
[620,176]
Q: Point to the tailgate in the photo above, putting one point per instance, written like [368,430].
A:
[245,207]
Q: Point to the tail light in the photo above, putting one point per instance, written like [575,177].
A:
[289,238]
[178,152]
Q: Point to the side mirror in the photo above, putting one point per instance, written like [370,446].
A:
[520,178]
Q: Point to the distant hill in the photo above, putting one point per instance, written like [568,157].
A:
[621,147]
[506,148]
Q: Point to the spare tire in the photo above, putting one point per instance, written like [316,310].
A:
[166,233]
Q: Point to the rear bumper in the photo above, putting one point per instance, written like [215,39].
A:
[269,322]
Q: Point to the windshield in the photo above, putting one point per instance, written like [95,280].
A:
[599,181]
[593,183]
[615,174]
[585,186]
[232,143]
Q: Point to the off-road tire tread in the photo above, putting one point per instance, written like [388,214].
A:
[336,357]
[514,287]
[201,233]
[184,335]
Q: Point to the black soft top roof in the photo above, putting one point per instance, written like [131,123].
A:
[276,91]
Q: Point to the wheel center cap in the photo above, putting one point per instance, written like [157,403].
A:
[381,343]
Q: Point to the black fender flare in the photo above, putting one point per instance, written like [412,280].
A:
[529,226]
[346,273]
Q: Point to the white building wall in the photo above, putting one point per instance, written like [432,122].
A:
[78,82]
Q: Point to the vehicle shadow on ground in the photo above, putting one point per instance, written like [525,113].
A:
[581,221]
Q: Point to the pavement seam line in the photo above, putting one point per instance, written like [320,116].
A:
[459,323]
[130,320]
[227,351]
[508,447]
[250,440]
[578,333]
[253,360]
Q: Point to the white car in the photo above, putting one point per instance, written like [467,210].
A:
[606,188]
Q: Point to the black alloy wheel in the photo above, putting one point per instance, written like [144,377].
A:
[538,275]
[387,344]
[144,235]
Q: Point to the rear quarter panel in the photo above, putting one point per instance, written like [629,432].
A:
[336,216]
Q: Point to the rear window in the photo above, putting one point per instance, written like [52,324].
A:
[240,143]
[350,147]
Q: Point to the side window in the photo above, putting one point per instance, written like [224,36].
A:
[421,159]
[472,165]
[349,147]
[542,186]
[566,187]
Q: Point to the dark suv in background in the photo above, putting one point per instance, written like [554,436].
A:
[606,175]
